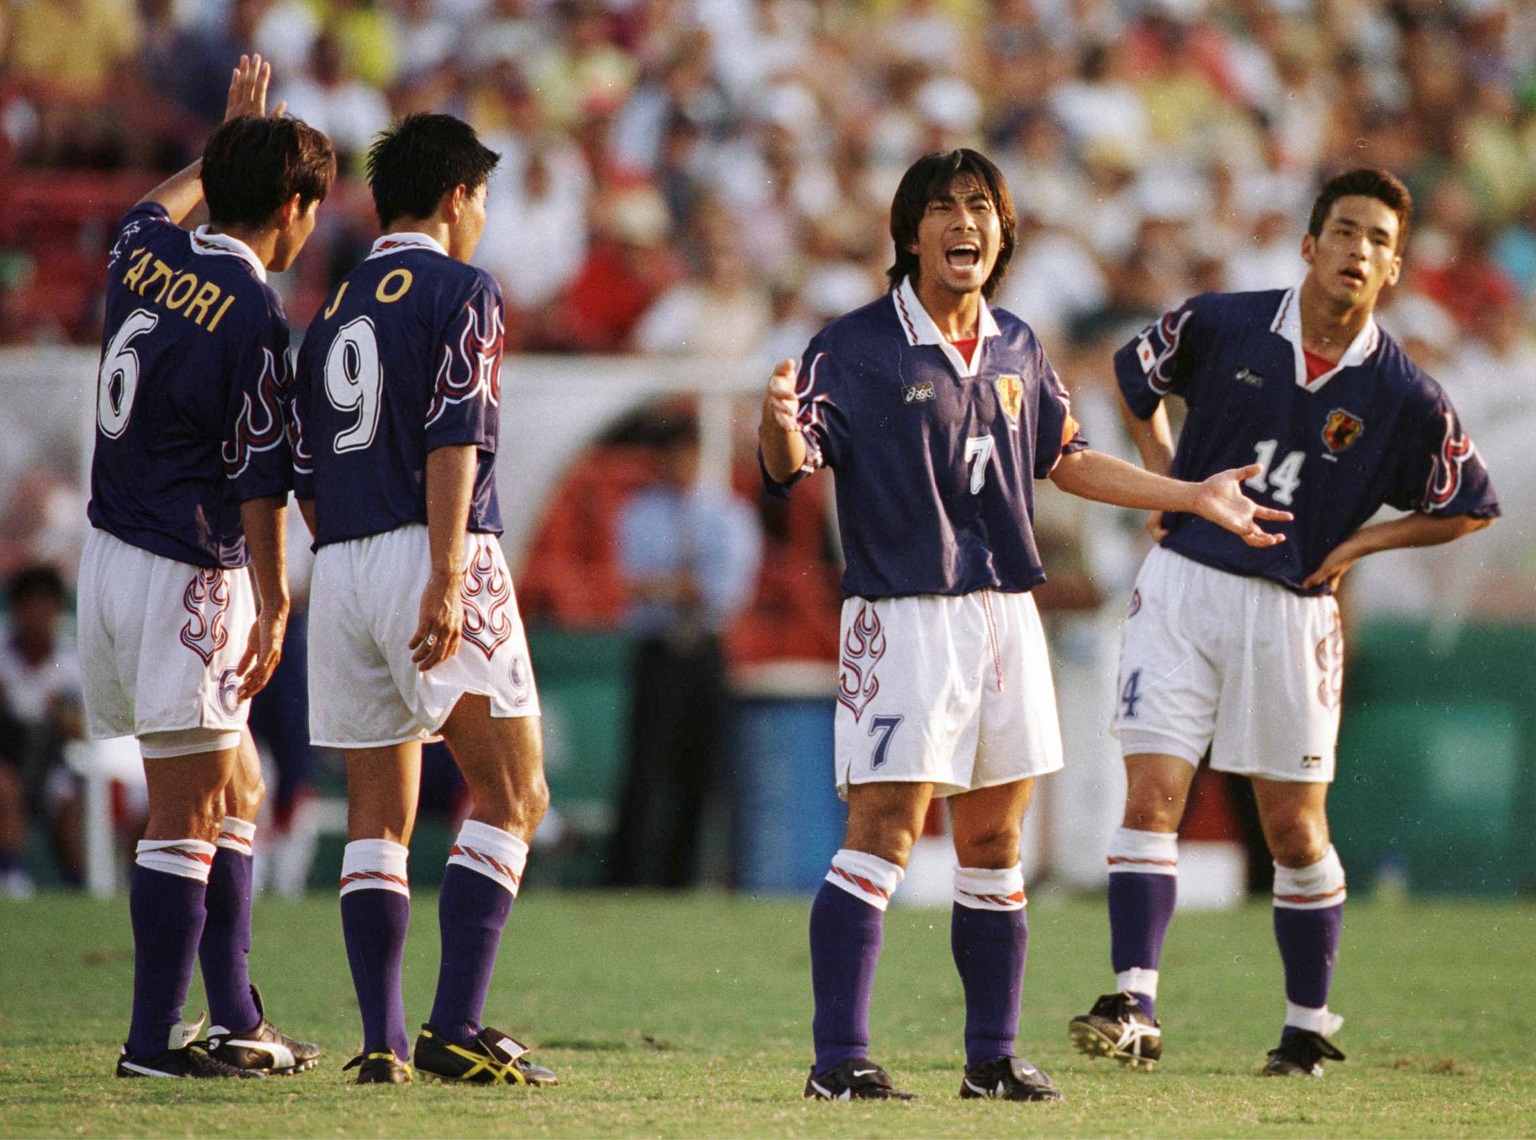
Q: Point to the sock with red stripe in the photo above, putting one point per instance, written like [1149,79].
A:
[1309,918]
[483,876]
[225,947]
[375,915]
[167,905]
[847,927]
[989,936]
[1143,887]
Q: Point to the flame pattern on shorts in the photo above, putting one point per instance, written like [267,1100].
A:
[487,590]
[206,598]
[863,647]
[1329,655]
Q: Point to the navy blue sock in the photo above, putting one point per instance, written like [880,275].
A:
[472,911]
[375,924]
[846,934]
[167,911]
[1140,909]
[990,947]
[225,946]
[1309,947]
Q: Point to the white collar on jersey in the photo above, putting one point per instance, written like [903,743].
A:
[206,242]
[400,242]
[920,329]
[1287,323]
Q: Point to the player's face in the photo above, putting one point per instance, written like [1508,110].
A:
[1355,256]
[959,237]
[293,233]
[465,230]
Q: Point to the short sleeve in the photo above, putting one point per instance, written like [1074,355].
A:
[1160,359]
[823,415]
[466,387]
[1056,430]
[1442,473]
[296,412]
[256,456]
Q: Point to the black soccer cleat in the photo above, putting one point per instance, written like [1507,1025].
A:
[1117,1027]
[859,1079]
[188,1061]
[1301,1053]
[379,1069]
[492,1058]
[1008,1078]
[263,1049]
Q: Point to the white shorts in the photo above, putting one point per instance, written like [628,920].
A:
[365,599]
[160,641]
[952,690]
[1240,665]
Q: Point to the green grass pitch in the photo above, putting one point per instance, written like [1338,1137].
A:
[689,1016]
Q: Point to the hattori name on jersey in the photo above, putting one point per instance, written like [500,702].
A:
[404,358]
[194,371]
[1376,429]
[936,456]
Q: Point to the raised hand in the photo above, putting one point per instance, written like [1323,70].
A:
[248,89]
[780,404]
[1221,500]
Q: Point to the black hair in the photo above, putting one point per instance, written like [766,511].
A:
[37,580]
[1364,182]
[252,165]
[931,177]
[412,164]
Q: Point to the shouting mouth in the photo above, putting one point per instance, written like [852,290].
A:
[964,256]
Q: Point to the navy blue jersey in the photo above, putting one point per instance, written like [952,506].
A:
[405,358]
[194,371]
[936,456]
[1375,429]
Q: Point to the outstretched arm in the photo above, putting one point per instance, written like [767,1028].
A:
[779,432]
[182,191]
[1410,530]
[1093,475]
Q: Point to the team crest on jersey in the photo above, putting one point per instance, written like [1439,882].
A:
[1010,389]
[862,649]
[918,393]
[206,598]
[487,590]
[1342,430]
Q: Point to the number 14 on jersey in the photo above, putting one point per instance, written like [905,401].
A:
[1279,479]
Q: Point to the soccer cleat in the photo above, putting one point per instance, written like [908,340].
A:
[492,1058]
[265,1048]
[1301,1053]
[1117,1027]
[859,1079]
[188,1061]
[1008,1078]
[379,1069]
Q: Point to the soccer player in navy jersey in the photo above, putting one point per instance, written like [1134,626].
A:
[188,485]
[938,414]
[1239,650]
[414,630]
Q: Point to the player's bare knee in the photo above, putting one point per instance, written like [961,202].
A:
[990,847]
[1298,841]
[244,801]
[1154,807]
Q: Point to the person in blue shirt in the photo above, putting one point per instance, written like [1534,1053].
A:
[414,629]
[1240,650]
[189,482]
[938,413]
[689,554]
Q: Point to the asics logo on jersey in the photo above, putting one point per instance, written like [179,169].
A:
[917,393]
[862,649]
[1342,430]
